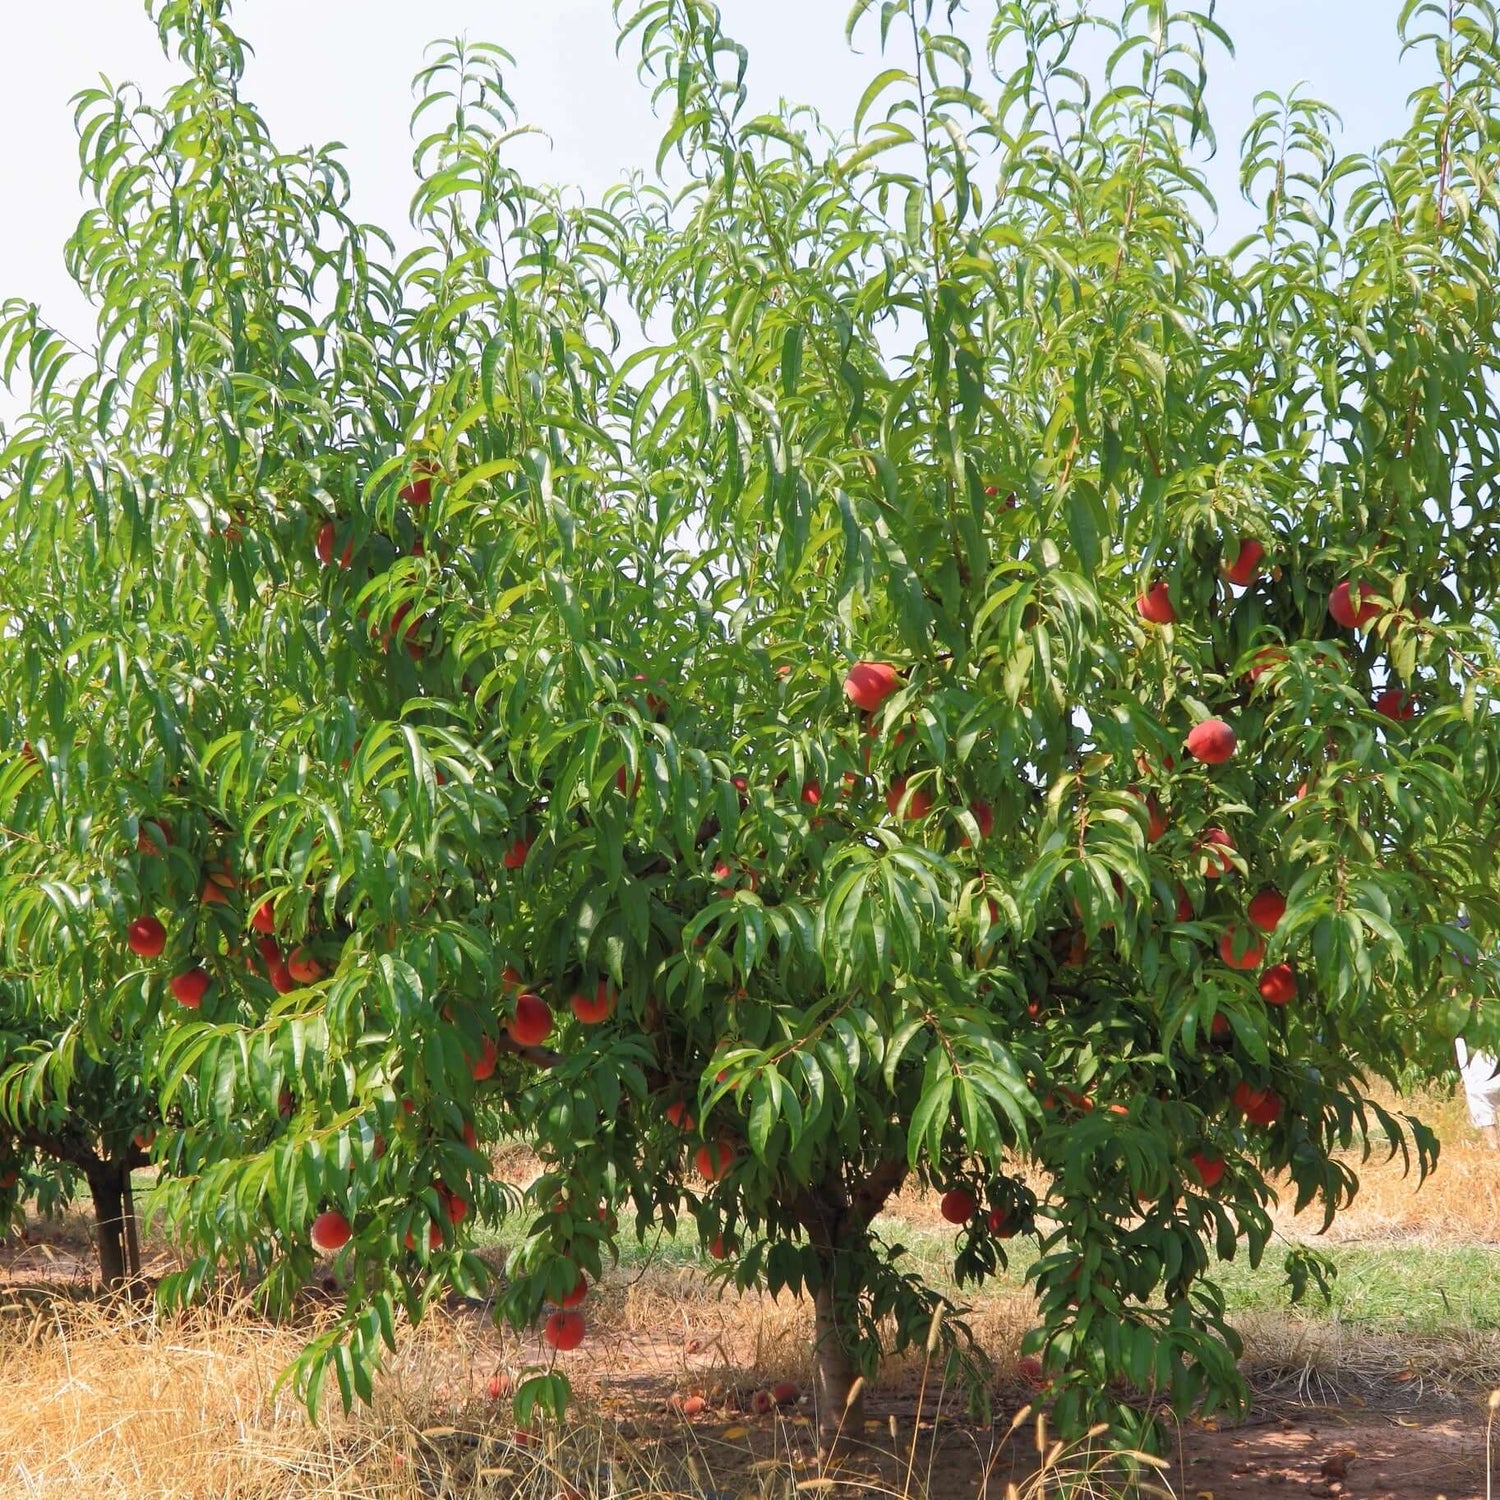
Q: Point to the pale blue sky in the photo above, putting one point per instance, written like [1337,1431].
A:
[341,69]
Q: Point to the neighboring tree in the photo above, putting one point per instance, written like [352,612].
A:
[988,691]
[72,1121]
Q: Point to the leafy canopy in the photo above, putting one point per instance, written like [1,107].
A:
[487,611]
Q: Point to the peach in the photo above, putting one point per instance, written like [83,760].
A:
[1278,985]
[146,937]
[1155,605]
[1245,568]
[532,1023]
[957,1205]
[190,988]
[869,683]
[330,1232]
[1266,909]
[1352,605]
[1212,742]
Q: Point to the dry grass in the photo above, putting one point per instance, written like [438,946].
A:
[1459,1203]
[105,1400]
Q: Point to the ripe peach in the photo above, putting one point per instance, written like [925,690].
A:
[1245,567]
[591,1010]
[812,793]
[1216,846]
[483,1066]
[917,804]
[150,837]
[190,988]
[327,540]
[983,816]
[1209,1168]
[717,1248]
[1155,605]
[1395,703]
[1266,909]
[419,492]
[1261,1106]
[677,1112]
[303,967]
[870,683]
[957,1205]
[999,1224]
[264,919]
[786,1393]
[694,1406]
[564,1330]
[1241,949]
[330,1232]
[1156,819]
[515,856]
[575,1297]
[146,937]
[1278,985]
[712,1162]
[1263,660]
[1212,742]
[532,1022]
[1353,605]
[499,1386]
[218,887]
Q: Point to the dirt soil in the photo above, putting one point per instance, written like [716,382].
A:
[1420,1453]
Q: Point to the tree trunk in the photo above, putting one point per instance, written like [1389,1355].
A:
[840,1419]
[114,1221]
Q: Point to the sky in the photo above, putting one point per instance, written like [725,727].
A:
[340,70]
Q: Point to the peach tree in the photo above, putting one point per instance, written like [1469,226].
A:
[866,658]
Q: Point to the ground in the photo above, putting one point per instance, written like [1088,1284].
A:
[1383,1395]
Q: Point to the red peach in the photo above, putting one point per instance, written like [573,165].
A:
[591,1011]
[1278,985]
[564,1330]
[532,1022]
[1212,742]
[1155,605]
[1241,949]
[957,1205]
[1209,1168]
[146,937]
[330,1232]
[870,683]
[1266,909]
[1352,605]
[190,988]
[1245,568]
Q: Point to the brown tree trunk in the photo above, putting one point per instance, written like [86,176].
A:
[114,1222]
[837,1219]
[840,1418]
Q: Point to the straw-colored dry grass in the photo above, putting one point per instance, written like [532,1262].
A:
[104,1400]
[99,1400]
